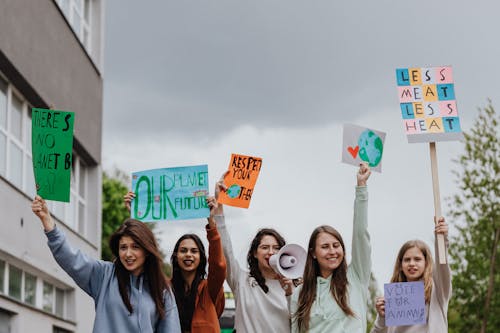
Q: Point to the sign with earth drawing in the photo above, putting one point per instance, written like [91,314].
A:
[240,180]
[361,144]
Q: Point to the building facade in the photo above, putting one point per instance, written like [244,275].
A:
[50,57]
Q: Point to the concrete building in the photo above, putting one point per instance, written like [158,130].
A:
[50,56]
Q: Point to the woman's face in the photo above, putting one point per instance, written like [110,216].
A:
[132,255]
[413,264]
[188,255]
[328,252]
[267,247]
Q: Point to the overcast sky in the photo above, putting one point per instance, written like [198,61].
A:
[190,82]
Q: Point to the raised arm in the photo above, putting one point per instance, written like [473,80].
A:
[127,199]
[442,273]
[216,260]
[87,272]
[361,248]
[233,268]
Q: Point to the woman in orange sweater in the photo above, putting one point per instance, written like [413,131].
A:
[199,297]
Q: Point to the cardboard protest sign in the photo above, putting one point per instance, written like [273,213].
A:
[428,104]
[52,151]
[170,194]
[240,180]
[361,144]
[404,303]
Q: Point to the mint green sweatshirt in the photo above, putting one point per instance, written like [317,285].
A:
[326,315]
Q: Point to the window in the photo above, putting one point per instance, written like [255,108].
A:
[29,289]
[48,297]
[59,302]
[15,280]
[78,14]
[16,163]
[15,139]
[74,213]
[2,276]
[3,126]
[25,287]
[3,104]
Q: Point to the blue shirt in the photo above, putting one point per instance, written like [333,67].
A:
[97,278]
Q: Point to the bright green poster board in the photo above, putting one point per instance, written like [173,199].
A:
[52,147]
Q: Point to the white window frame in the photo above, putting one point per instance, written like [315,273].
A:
[71,211]
[39,283]
[27,185]
[22,143]
[79,7]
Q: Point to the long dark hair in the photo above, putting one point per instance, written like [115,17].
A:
[338,284]
[186,299]
[156,279]
[253,263]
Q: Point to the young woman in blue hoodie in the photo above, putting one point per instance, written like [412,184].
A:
[131,294]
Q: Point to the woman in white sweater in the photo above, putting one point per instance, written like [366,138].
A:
[259,292]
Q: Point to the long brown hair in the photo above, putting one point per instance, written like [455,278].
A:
[398,275]
[156,279]
[186,299]
[253,263]
[338,283]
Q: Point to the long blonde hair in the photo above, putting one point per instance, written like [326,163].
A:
[398,275]
[338,284]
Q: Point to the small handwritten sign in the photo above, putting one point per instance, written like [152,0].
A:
[361,144]
[170,194]
[240,180]
[404,303]
[52,151]
[428,104]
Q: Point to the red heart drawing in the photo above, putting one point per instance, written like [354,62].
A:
[353,151]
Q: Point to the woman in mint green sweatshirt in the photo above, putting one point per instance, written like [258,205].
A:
[333,297]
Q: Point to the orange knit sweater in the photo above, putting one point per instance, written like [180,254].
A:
[210,299]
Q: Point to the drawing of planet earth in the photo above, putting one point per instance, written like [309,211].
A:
[233,191]
[370,148]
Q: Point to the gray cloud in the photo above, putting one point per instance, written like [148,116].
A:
[175,67]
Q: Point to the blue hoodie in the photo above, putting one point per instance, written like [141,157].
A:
[97,278]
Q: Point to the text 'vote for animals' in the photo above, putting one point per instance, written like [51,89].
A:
[404,303]
[52,151]
[169,194]
[361,144]
[428,104]
[240,180]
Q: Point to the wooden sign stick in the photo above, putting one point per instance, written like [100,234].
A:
[437,201]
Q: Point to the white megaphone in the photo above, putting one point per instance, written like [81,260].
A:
[290,261]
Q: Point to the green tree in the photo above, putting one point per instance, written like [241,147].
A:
[113,209]
[475,210]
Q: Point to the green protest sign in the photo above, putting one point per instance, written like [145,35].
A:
[52,147]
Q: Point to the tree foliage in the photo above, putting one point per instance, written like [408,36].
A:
[475,210]
[113,209]
[114,213]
